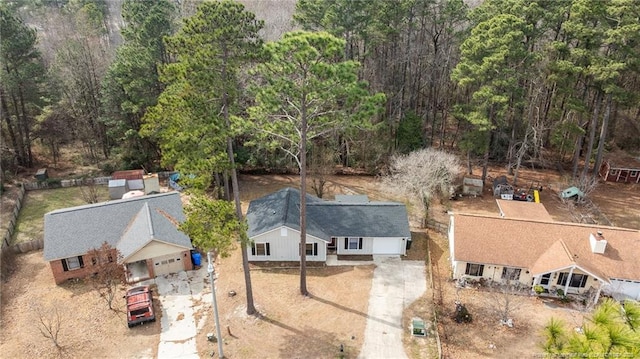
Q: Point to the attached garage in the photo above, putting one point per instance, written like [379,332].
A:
[168,264]
[623,289]
[392,246]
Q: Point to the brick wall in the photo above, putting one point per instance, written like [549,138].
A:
[60,275]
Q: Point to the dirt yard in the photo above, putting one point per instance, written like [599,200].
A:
[292,326]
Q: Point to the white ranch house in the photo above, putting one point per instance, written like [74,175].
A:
[350,225]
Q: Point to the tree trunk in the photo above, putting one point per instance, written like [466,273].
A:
[303,197]
[592,133]
[244,241]
[12,135]
[603,135]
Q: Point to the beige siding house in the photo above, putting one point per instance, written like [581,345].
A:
[575,258]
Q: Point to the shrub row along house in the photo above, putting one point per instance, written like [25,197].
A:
[143,229]
[350,225]
[524,244]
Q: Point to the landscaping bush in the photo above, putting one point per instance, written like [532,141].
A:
[462,315]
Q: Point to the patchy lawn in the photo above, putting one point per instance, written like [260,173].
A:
[30,224]
[290,325]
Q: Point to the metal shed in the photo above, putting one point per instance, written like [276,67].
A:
[117,188]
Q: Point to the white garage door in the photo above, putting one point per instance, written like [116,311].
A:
[387,246]
[171,263]
[623,289]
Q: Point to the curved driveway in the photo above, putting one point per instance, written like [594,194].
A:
[396,284]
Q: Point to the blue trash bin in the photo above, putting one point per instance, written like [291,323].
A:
[196,258]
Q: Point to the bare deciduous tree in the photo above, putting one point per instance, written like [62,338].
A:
[89,190]
[49,324]
[503,299]
[108,274]
[423,174]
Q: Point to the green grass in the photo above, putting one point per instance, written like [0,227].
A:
[30,225]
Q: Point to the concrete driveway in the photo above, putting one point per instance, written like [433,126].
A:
[178,293]
[396,284]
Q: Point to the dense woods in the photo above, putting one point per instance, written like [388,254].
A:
[509,81]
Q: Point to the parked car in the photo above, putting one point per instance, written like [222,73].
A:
[139,305]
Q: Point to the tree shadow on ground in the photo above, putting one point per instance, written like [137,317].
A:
[308,342]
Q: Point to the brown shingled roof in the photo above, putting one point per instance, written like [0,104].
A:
[523,210]
[532,244]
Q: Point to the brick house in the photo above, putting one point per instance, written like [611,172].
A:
[526,245]
[143,229]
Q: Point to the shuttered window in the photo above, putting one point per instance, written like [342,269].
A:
[312,249]
[261,249]
[352,243]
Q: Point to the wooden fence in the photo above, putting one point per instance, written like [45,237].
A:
[36,244]
[442,228]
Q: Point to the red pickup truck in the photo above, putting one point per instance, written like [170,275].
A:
[139,305]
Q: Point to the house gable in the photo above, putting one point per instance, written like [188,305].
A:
[154,248]
[75,231]
[542,246]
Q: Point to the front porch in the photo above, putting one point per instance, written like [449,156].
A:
[573,281]
[137,271]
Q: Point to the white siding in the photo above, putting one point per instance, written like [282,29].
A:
[367,246]
[622,289]
[283,246]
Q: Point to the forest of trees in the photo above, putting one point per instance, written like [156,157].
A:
[513,82]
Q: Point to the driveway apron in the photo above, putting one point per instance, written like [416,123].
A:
[177,293]
[396,284]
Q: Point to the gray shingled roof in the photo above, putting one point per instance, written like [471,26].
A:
[127,224]
[327,218]
[281,208]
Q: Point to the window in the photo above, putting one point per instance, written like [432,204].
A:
[311,249]
[474,269]
[260,249]
[577,280]
[634,174]
[72,263]
[613,172]
[545,279]
[353,243]
[562,278]
[510,273]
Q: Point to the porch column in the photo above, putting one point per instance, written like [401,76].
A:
[595,300]
[537,279]
[566,286]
